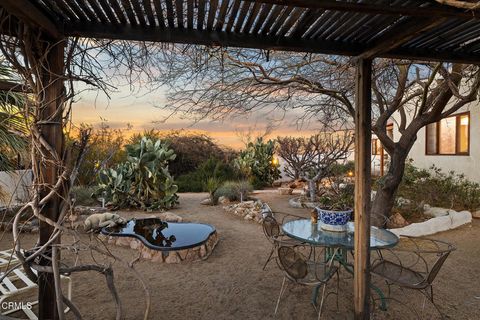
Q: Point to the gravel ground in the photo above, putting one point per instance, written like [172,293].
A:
[232,285]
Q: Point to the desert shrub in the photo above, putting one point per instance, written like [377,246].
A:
[104,150]
[143,179]
[439,189]
[234,190]
[83,195]
[192,149]
[257,163]
[190,182]
[195,181]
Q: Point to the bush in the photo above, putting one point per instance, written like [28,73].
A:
[439,189]
[190,182]
[84,195]
[234,190]
[105,150]
[196,181]
[192,149]
[341,169]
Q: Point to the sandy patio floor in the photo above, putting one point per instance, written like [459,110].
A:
[232,285]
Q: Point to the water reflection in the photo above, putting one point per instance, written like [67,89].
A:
[161,235]
[151,230]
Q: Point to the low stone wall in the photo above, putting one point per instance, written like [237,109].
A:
[198,253]
[248,210]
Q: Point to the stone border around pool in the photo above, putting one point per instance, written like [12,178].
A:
[198,253]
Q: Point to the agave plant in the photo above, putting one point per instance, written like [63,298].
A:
[143,180]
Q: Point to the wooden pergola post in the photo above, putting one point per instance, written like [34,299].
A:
[363,138]
[50,127]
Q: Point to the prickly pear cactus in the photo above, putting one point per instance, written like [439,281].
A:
[143,180]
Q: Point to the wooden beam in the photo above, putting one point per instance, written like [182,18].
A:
[205,37]
[220,38]
[53,96]
[433,10]
[30,14]
[400,34]
[363,145]
[13,87]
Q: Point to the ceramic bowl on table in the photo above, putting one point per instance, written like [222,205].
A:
[333,220]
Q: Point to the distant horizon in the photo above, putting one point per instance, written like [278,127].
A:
[142,113]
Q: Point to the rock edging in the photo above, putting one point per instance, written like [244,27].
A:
[198,253]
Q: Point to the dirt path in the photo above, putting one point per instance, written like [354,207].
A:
[232,285]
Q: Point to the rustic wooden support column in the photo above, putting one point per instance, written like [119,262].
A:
[50,127]
[363,145]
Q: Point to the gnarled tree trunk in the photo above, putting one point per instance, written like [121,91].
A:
[385,197]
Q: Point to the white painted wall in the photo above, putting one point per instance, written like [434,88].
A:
[469,165]
[15,185]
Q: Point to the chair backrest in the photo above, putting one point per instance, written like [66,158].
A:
[423,248]
[442,256]
[293,263]
[271,228]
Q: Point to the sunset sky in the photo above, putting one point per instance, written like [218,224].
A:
[143,111]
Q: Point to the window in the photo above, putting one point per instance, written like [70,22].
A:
[376,147]
[449,136]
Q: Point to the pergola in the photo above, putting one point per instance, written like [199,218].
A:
[412,29]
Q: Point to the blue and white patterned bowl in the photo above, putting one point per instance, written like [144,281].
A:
[334,220]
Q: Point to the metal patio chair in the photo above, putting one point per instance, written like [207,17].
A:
[302,271]
[413,264]
[273,233]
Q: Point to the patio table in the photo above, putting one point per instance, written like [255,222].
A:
[313,234]
[338,244]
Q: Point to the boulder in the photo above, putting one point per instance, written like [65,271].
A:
[223,200]
[170,217]
[437,212]
[285,191]
[476,214]
[172,257]
[276,184]
[84,210]
[397,221]
[206,202]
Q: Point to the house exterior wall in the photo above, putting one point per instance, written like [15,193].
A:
[15,187]
[466,164]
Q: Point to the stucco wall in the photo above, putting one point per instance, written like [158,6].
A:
[15,185]
[469,165]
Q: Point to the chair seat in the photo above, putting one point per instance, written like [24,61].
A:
[317,273]
[400,275]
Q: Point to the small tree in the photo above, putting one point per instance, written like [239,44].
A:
[298,153]
[257,162]
[321,152]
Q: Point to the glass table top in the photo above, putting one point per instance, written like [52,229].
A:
[305,231]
